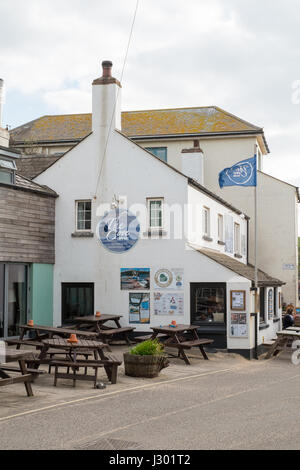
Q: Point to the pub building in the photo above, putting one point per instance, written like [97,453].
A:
[115,257]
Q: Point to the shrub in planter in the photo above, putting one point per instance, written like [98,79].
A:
[145,360]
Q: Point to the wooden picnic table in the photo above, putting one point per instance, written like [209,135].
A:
[25,377]
[72,349]
[104,332]
[283,342]
[41,330]
[175,339]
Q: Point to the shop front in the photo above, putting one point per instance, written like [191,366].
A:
[209,312]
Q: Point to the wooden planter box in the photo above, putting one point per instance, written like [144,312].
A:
[144,366]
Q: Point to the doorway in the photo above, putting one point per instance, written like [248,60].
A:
[209,311]
[13,298]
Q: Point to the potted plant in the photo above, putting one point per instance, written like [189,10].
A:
[145,360]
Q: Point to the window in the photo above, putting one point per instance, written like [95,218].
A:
[237,238]
[7,171]
[77,300]
[83,216]
[220,228]
[208,303]
[206,221]
[262,318]
[155,209]
[160,152]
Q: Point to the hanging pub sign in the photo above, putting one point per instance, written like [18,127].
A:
[118,230]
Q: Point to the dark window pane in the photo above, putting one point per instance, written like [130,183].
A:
[208,304]
[77,300]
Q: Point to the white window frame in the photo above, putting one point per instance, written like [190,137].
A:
[155,199]
[76,216]
[221,226]
[237,238]
[206,211]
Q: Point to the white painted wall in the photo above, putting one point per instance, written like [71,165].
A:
[278,206]
[198,200]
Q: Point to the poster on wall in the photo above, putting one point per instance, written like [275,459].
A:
[135,278]
[238,300]
[168,304]
[270,304]
[139,308]
[228,233]
[169,278]
[239,325]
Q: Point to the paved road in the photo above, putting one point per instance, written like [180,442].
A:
[245,406]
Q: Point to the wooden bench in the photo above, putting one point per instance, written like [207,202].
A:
[191,344]
[107,334]
[24,342]
[110,364]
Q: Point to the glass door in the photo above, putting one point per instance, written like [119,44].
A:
[13,298]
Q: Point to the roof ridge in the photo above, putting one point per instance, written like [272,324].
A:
[168,109]
[238,118]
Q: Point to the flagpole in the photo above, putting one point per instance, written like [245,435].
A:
[256,257]
[256,225]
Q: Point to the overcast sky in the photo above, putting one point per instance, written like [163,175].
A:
[241,55]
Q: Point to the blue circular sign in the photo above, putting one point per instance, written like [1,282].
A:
[119,230]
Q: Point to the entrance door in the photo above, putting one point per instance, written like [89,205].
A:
[13,298]
[208,310]
[77,301]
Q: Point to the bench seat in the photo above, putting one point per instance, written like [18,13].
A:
[191,344]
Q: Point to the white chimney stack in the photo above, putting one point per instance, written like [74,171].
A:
[192,163]
[106,102]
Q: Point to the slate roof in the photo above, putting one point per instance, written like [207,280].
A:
[157,122]
[30,167]
[244,270]
[29,185]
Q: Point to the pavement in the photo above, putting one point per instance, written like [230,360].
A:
[227,402]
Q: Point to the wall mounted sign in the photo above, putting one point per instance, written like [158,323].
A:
[135,278]
[139,308]
[270,304]
[169,278]
[239,325]
[118,230]
[238,300]
[168,304]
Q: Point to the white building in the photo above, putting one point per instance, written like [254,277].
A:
[224,139]
[200,276]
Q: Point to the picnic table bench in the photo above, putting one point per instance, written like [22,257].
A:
[111,363]
[72,351]
[104,332]
[176,338]
[25,377]
[283,342]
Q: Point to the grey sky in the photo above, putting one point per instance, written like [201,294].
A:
[240,55]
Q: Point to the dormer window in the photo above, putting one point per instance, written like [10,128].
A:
[7,171]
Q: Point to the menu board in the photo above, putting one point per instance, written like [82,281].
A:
[239,325]
[168,304]
[238,300]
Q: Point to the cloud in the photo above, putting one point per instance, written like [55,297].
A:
[242,56]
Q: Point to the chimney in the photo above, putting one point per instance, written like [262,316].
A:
[4,134]
[192,163]
[106,101]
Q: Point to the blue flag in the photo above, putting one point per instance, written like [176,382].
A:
[243,173]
